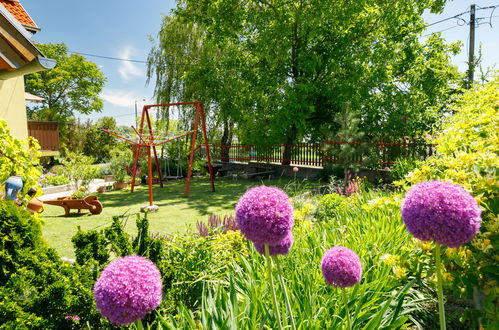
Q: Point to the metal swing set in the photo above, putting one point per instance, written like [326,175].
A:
[146,139]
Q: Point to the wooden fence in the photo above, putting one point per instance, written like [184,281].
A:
[319,155]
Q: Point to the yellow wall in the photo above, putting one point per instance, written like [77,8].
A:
[13,106]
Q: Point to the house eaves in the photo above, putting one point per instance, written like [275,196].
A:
[18,55]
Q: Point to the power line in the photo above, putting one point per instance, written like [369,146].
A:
[457,16]
[448,18]
[126,59]
[108,57]
[460,14]
[450,28]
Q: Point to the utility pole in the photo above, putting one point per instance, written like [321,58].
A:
[471,54]
[136,115]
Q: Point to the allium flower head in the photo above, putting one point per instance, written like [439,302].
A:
[441,212]
[128,289]
[265,215]
[295,169]
[282,247]
[341,267]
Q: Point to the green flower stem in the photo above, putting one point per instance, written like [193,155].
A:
[286,297]
[138,325]
[347,311]
[271,280]
[438,266]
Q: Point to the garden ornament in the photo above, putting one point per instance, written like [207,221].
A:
[12,187]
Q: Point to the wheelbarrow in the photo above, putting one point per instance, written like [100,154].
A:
[90,203]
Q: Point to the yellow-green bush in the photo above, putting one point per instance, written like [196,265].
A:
[18,157]
[467,154]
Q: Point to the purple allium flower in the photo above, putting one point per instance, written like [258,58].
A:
[295,169]
[128,289]
[264,215]
[441,212]
[282,247]
[341,267]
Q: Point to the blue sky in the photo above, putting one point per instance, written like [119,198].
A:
[121,28]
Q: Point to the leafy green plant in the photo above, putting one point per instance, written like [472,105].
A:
[329,205]
[57,180]
[240,298]
[120,159]
[78,169]
[402,167]
[18,158]
[467,155]
[37,289]
[90,247]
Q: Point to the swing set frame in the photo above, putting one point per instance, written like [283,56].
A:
[150,142]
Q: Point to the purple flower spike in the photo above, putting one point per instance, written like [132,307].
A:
[128,289]
[441,212]
[341,267]
[282,247]
[265,215]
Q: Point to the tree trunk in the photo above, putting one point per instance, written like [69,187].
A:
[286,155]
[226,141]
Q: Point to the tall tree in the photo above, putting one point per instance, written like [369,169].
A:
[73,86]
[282,69]
[98,143]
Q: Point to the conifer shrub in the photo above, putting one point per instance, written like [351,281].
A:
[38,289]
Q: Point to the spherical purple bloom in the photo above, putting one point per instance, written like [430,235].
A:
[442,212]
[265,215]
[341,267]
[282,247]
[128,289]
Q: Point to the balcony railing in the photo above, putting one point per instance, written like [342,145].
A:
[47,134]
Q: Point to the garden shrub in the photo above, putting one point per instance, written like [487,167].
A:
[402,167]
[118,238]
[120,161]
[90,247]
[78,169]
[38,289]
[329,205]
[57,180]
[18,157]
[239,297]
[467,154]
[19,231]
[185,261]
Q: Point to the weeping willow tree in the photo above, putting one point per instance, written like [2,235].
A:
[278,72]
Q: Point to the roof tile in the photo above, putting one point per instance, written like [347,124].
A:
[19,13]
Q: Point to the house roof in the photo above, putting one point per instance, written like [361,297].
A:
[17,10]
[18,55]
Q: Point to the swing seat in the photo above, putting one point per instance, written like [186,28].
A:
[173,177]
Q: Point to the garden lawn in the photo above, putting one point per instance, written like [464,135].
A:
[176,214]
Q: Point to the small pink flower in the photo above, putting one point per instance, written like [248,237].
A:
[295,169]
[386,169]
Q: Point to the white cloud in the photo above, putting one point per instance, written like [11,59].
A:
[128,70]
[119,97]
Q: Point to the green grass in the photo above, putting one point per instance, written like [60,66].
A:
[176,214]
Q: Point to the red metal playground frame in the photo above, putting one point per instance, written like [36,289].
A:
[150,141]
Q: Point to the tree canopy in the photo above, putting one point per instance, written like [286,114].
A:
[73,86]
[282,70]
